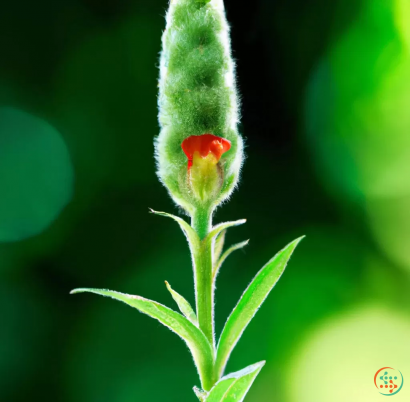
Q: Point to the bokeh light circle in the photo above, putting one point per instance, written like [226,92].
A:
[36,175]
[349,349]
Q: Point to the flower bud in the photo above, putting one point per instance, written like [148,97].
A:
[205,176]
[199,151]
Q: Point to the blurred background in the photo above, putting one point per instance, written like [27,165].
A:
[326,117]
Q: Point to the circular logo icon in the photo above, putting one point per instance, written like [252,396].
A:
[388,381]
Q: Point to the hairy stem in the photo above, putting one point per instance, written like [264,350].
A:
[202,221]
[202,256]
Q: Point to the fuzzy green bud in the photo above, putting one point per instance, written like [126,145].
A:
[197,97]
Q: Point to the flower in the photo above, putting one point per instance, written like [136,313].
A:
[205,177]
[207,146]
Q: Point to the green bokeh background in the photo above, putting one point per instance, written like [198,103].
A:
[326,119]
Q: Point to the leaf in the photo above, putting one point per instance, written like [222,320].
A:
[189,232]
[248,305]
[219,245]
[183,305]
[226,254]
[199,346]
[235,386]
[223,226]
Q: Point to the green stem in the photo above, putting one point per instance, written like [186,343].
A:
[202,221]
[202,256]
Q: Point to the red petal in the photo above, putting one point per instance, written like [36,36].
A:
[205,144]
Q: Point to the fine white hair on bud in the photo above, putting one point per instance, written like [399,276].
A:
[198,98]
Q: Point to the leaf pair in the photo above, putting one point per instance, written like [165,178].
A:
[232,387]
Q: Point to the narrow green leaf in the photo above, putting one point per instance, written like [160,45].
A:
[189,232]
[219,245]
[248,305]
[183,305]
[226,254]
[216,230]
[199,346]
[235,386]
